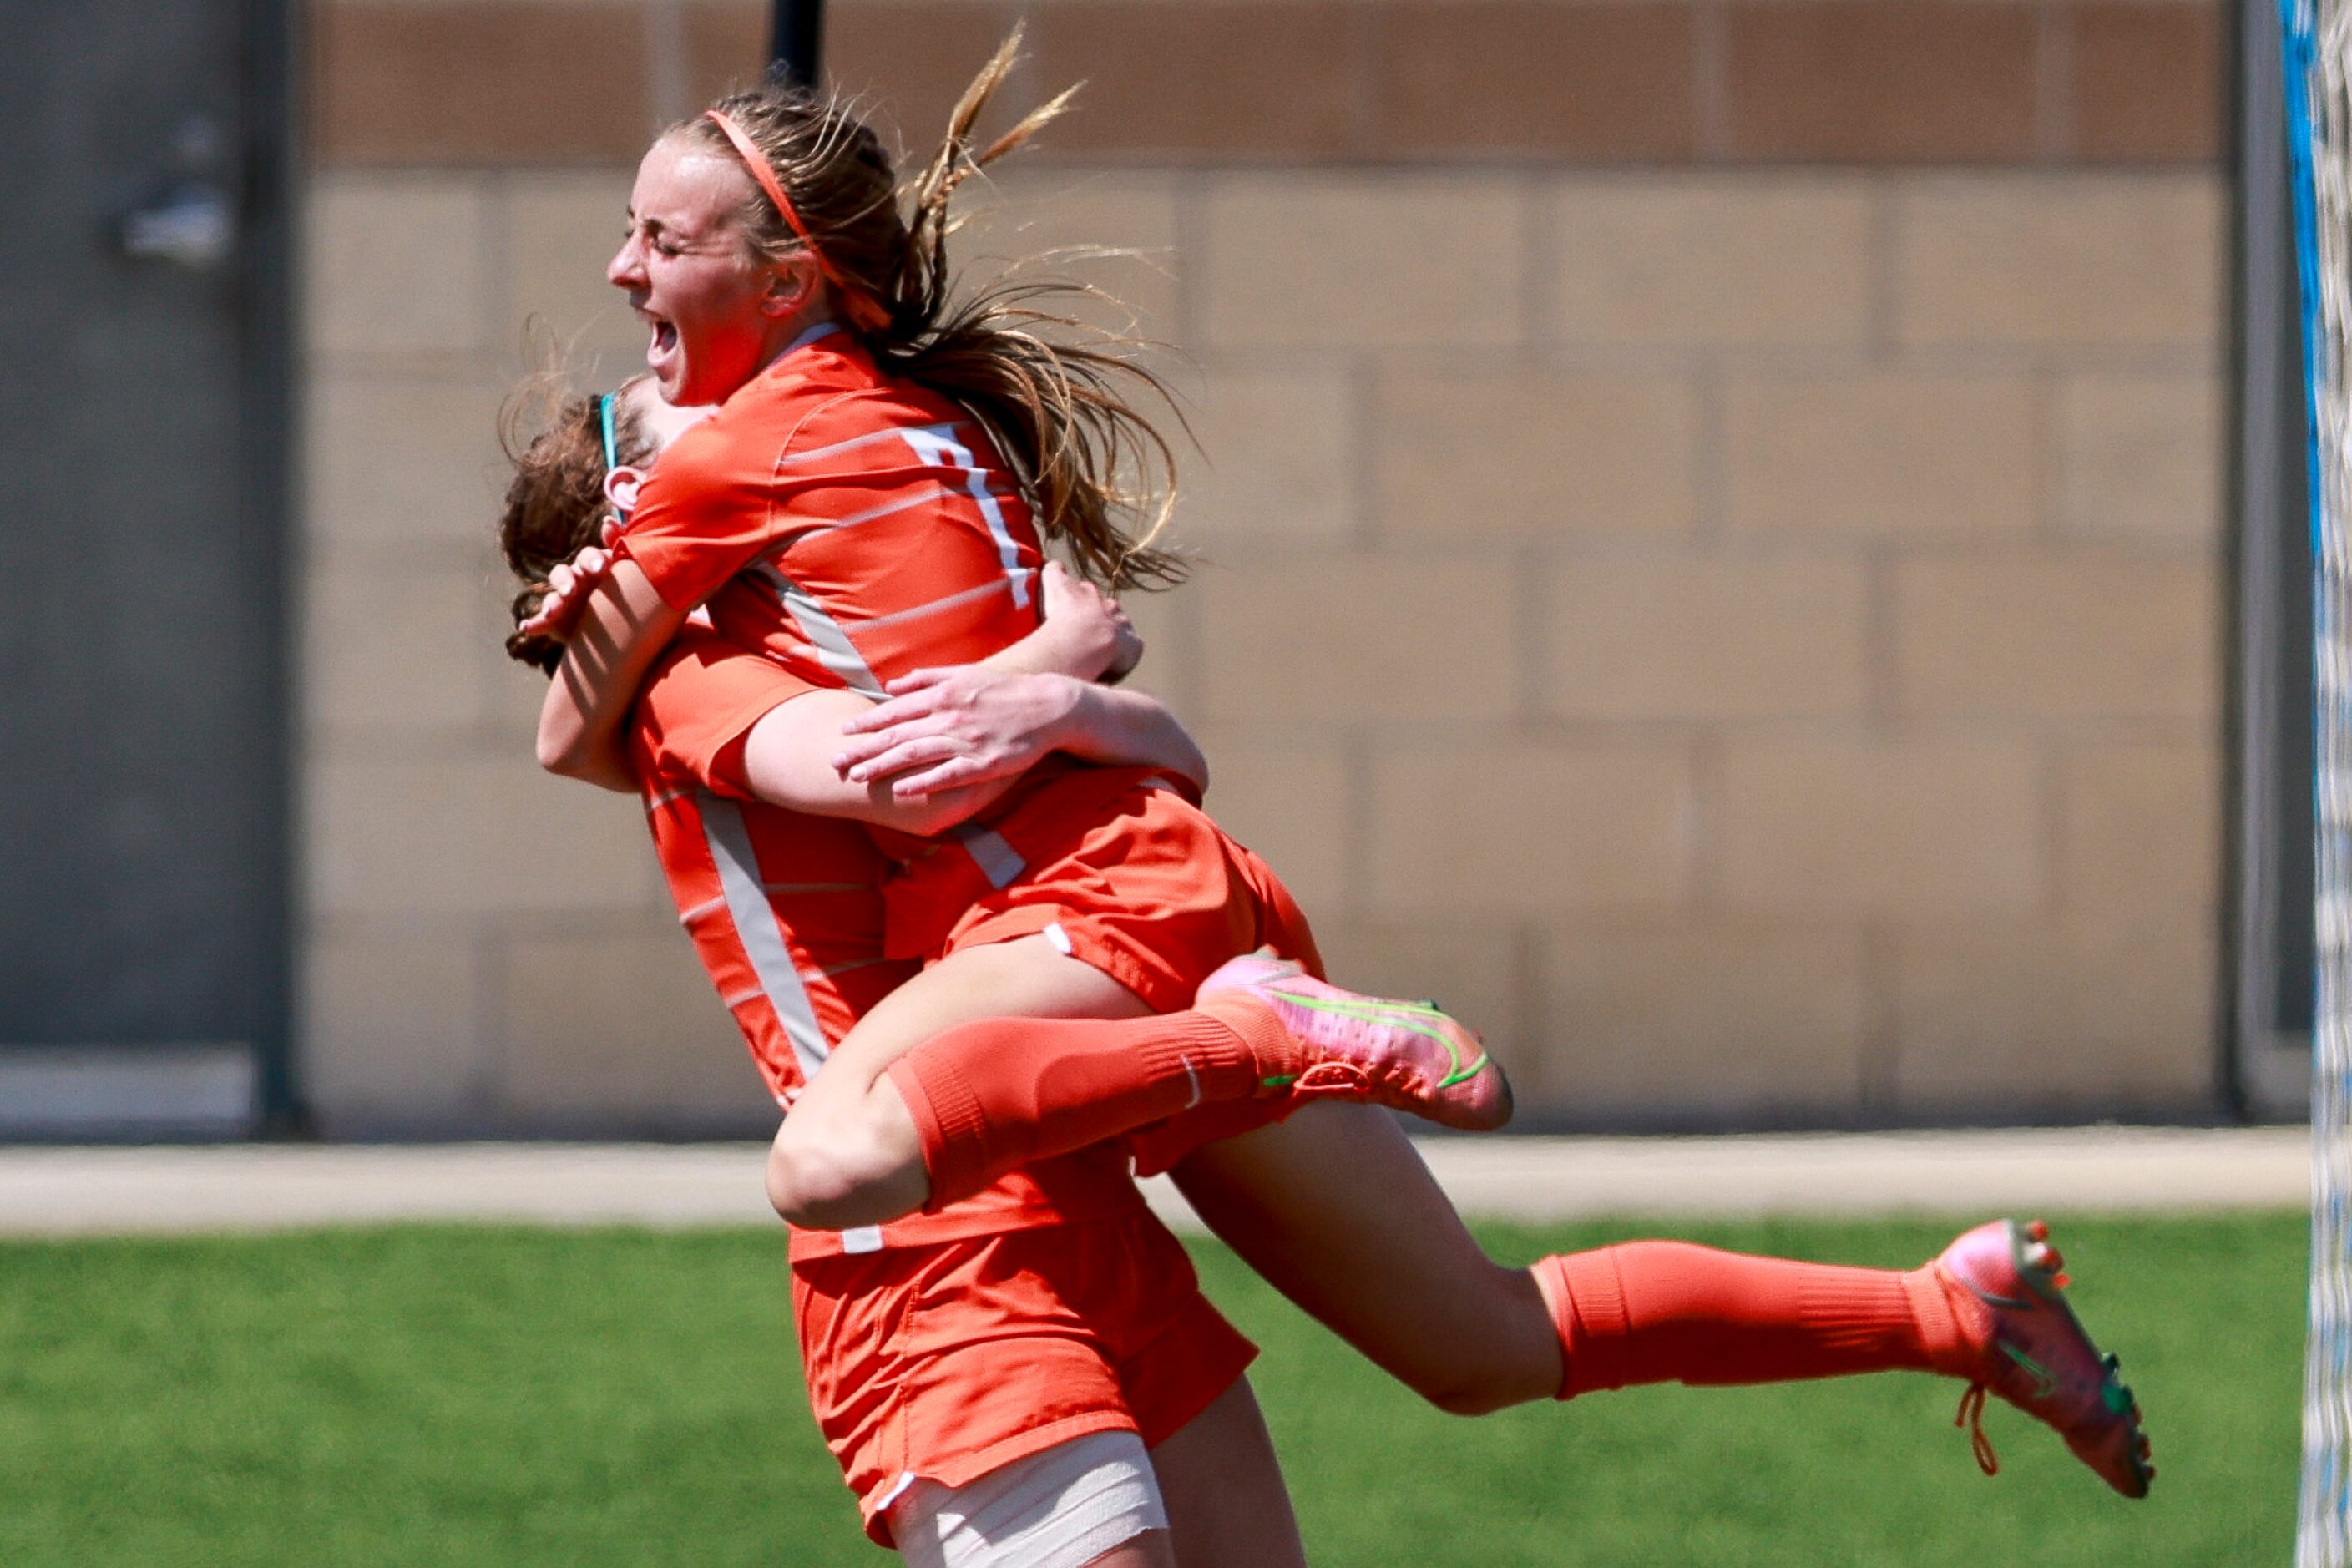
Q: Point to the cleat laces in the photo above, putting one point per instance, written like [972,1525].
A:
[1971,1415]
[1331,1077]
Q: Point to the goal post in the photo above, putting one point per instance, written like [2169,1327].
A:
[2319,157]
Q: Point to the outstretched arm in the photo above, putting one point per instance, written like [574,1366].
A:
[614,625]
[624,625]
[988,730]
[948,730]
[967,732]
[786,761]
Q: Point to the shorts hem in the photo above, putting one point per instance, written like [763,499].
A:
[1097,946]
[1206,1391]
[964,1470]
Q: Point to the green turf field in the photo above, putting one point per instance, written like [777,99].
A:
[454,1396]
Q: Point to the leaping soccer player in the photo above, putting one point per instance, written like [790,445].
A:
[869,503]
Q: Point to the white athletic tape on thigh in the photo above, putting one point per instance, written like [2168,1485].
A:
[1059,1509]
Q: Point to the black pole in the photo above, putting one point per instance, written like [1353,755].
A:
[799,39]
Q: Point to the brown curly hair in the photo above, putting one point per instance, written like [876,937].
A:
[555,504]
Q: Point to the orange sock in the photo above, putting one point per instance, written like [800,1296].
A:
[1658,1312]
[990,1097]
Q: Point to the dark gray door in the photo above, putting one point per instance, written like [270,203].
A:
[2271,932]
[143,864]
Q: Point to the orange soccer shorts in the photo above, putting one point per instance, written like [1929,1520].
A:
[1151,892]
[1146,889]
[947,1362]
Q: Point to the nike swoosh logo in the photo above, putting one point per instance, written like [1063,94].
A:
[2044,1386]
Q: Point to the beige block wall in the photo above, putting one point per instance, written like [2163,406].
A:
[486,948]
[1750,640]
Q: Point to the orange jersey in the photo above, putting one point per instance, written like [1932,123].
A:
[786,914]
[855,527]
[851,526]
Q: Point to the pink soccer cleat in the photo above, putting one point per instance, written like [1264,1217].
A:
[2030,1348]
[1408,1055]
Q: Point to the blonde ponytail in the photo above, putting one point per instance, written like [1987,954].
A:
[1058,397]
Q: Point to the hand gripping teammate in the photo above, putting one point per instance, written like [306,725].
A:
[1029,1378]
[847,513]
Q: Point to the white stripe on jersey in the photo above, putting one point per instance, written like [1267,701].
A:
[983,591]
[833,648]
[729,838]
[937,444]
[816,453]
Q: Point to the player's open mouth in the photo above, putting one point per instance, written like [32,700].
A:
[664,343]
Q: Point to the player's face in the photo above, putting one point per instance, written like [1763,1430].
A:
[659,420]
[705,297]
[659,423]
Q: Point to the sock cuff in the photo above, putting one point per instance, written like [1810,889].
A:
[949,1121]
[1231,1019]
[1551,1284]
[1940,1332]
[1588,1307]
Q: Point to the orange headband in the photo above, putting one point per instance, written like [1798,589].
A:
[862,307]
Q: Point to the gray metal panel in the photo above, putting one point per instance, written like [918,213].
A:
[142,721]
[2269,933]
[172,1090]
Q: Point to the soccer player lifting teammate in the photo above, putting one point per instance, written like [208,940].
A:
[869,502]
[1029,1376]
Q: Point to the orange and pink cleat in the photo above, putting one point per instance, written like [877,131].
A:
[1406,1055]
[2019,1339]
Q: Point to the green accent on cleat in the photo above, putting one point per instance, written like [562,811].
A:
[1417,1019]
[2044,1384]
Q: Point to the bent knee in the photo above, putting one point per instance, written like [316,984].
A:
[1475,1386]
[1470,1399]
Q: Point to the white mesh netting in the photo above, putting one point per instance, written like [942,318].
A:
[2318,46]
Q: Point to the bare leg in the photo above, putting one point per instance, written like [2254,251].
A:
[1227,1506]
[848,1154]
[1399,1277]
[1401,1280]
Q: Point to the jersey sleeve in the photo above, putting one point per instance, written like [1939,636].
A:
[707,510]
[697,706]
